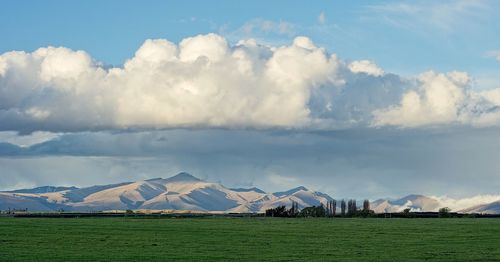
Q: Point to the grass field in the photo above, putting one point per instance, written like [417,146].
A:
[104,239]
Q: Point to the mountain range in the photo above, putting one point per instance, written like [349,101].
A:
[180,192]
[488,204]
[184,192]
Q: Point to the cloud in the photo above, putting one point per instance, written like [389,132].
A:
[445,16]
[363,163]
[203,81]
[494,53]
[442,99]
[259,25]
[438,100]
[206,82]
[367,67]
[27,140]
[322,18]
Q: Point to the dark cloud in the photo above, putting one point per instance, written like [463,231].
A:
[357,162]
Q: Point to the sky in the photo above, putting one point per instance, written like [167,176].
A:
[351,98]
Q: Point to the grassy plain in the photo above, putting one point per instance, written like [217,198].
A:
[254,239]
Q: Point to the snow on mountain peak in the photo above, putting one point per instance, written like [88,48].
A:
[180,192]
[291,191]
[186,192]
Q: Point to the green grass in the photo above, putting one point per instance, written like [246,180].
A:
[254,239]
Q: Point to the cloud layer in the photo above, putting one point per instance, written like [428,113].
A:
[206,82]
[358,163]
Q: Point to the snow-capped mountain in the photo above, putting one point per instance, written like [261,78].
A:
[491,208]
[414,202]
[479,204]
[180,192]
[186,192]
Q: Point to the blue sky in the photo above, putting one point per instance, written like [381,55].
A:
[405,37]
[353,98]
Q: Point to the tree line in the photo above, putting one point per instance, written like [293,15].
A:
[347,209]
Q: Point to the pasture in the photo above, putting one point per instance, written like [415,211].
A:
[253,239]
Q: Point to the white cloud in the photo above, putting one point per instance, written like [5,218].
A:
[442,99]
[367,67]
[201,82]
[445,16]
[438,100]
[260,25]
[27,140]
[322,18]
[206,82]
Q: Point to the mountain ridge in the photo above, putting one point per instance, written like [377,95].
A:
[179,192]
[185,192]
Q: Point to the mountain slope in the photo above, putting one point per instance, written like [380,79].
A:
[476,204]
[180,192]
[413,202]
[491,208]
[188,193]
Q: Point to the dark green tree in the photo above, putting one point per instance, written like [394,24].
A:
[314,211]
[366,205]
[366,211]
[444,212]
[351,207]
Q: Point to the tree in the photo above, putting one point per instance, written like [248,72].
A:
[366,212]
[406,212]
[366,205]
[444,212]
[281,211]
[294,210]
[342,207]
[351,207]
[330,208]
[314,211]
[334,207]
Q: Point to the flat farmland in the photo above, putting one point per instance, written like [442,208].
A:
[253,239]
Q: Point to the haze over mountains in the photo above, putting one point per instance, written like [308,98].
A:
[184,192]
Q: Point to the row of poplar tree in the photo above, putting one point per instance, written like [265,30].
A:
[347,209]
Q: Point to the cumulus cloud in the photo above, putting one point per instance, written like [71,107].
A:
[438,100]
[441,99]
[204,81]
